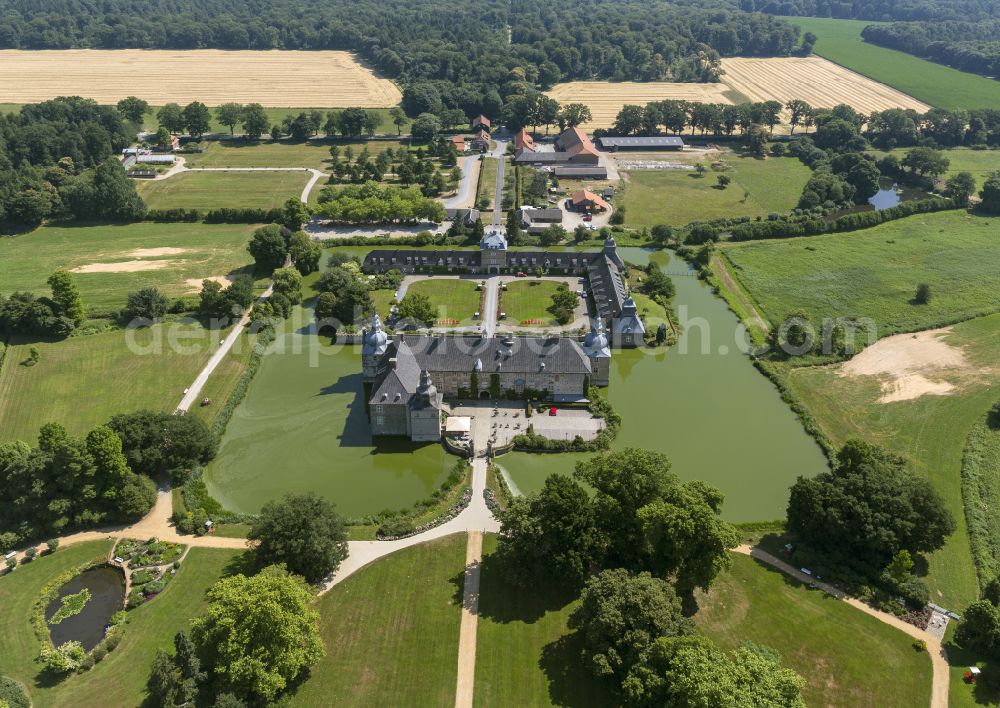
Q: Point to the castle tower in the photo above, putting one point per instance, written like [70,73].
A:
[611,251]
[595,346]
[425,411]
[374,342]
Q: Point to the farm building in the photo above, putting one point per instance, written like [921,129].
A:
[481,122]
[535,220]
[465,216]
[586,201]
[652,142]
[481,141]
[572,147]
[581,172]
[459,142]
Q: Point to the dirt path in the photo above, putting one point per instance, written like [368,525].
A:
[722,268]
[939,660]
[470,621]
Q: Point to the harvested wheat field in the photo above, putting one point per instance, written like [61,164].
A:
[818,82]
[271,78]
[606,98]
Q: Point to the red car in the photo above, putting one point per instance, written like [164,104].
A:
[520,274]
[588,217]
[552,411]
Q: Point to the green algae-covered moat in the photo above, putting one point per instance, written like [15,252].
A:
[701,402]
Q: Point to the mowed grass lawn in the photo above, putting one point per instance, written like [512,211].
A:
[391,631]
[938,85]
[846,657]
[486,191]
[525,652]
[221,190]
[120,679]
[678,197]
[81,382]
[283,153]
[456,299]
[930,432]
[197,251]
[874,272]
[526,302]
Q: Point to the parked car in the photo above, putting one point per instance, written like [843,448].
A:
[520,274]
[588,217]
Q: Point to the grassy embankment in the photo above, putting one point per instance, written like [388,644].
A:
[840,41]
[678,197]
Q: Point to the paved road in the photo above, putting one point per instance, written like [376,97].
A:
[492,302]
[939,658]
[501,154]
[193,391]
[463,197]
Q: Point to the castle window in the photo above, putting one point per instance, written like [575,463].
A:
[379,420]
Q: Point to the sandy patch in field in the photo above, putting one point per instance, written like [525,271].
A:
[122,267]
[910,365]
[194,284]
[153,252]
[271,78]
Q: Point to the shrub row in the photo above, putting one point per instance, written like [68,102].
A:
[981,498]
[812,226]
[216,216]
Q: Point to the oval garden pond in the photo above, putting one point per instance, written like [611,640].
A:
[83,606]
[302,426]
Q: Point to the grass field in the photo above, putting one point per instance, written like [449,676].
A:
[840,41]
[846,657]
[223,380]
[486,191]
[874,273]
[678,197]
[220,190]
[82,381]
[280,78]
[979,162]
[525,654]
[391,631]
[527,301]
[284,153]
[122,258]
[455,298]
[120,679]
[929,431]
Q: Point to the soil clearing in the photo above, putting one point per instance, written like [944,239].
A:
[154,252]
[123,267]
[194,284]
[907,362]
[271,78]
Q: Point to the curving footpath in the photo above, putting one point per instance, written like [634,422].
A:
[939,658]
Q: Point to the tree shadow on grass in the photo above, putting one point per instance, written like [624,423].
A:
[244,563]
[502,600]
[983,692]
[570,684]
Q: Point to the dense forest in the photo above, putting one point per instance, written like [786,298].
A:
[969,46]
[470,56]
[876,10]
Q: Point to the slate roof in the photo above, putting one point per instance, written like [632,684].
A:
[553,215]
[607,286]
[593,171]
[457,353]
[398,384]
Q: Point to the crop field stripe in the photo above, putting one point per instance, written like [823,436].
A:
[271,78]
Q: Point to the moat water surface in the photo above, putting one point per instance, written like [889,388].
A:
[303,428]
[706,407]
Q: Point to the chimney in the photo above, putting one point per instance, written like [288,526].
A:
[392,363]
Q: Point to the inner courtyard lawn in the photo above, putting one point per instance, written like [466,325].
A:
[846,657]
[221,190]
[527,302]
[456,299]
[874,272]
[935,84]
[81,382]
[120,679]
[391,631]
[197,251]
[678,197]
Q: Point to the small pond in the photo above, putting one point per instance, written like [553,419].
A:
[107,596]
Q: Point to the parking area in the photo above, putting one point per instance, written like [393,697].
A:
[499,421]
